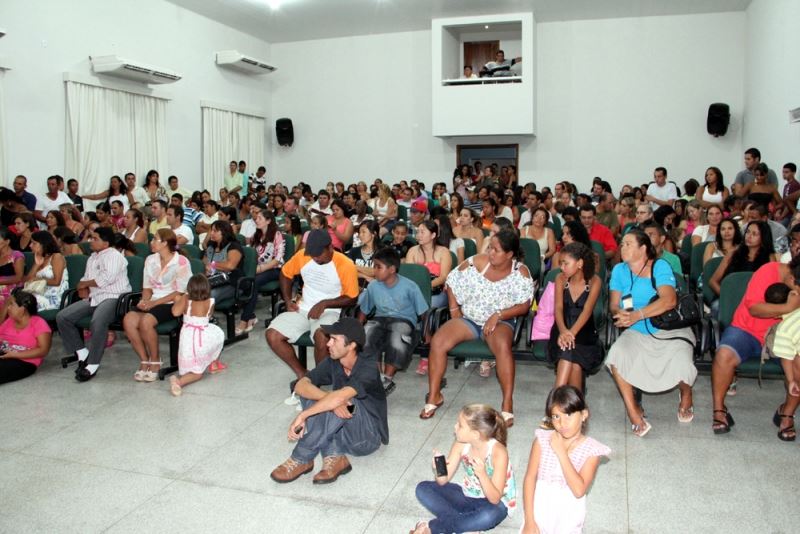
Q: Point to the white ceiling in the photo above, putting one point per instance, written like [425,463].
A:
[299,20]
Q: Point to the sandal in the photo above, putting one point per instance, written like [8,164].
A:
[731,389]
[429,410]
[722,427]
[139,375]
[486,368]
[642,428]
[216,367]
[788,433]
[508,417]
[150,375]
[174,387]
[685,415]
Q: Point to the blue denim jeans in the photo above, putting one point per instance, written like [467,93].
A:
[455,512]
[249,310]
[329,435]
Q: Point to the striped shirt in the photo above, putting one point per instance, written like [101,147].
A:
[109,270]
[787,336]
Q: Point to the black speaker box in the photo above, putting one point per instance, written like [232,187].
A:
[719,116]
[284,131]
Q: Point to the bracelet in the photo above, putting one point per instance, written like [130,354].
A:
[499,314]
[641,312]
[455,309]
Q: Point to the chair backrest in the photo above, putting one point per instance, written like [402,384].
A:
[402,212]
[192,251]
[418,274]
[731,293]
[696,262]
[76,268]
[135,272]
[242,239]
[250,261]
[198,267]
[142,249]
[533,256]
[686,245]
[86,247]
[550,276]
[708,272]
[598,248]
[196,240]
[288,250]
[470,248]
[555,225]
[29,257]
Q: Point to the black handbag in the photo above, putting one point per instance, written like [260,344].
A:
[218,279]
[685,313]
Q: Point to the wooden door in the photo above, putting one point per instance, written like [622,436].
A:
[477,54]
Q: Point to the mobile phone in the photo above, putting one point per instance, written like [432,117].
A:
[298,429]
[441,465]
[626,302]
[351,408]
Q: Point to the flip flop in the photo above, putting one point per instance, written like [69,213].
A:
[429,410]
[683,417]
[641,430]
[508,417]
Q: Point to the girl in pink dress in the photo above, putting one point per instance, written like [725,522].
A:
[561,468]
[200,342]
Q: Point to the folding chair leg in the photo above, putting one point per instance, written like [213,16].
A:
[302,355]
[174,338]
[230,320]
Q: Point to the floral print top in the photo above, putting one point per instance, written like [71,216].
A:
[472,486]
[173,277]
[479,297]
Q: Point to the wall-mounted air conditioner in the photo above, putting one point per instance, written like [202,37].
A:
[236,60]
[2,32]
[132,70]
[794,115]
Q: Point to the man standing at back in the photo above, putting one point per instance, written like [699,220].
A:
[20,189]
[330,283]
[661,193]
[52,200]
[752,157]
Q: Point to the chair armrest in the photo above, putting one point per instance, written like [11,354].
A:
[69,297]
[716,331]
[127,301]
[518,328]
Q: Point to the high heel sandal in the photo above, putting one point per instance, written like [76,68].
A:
[722,427]
[150,375]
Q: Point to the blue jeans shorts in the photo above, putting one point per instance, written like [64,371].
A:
[742,343]
[477,330]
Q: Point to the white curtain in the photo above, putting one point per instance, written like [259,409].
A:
[5,179]
[229,136]
[112,132]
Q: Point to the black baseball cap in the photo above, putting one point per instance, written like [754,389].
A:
[317,242]
[350,328]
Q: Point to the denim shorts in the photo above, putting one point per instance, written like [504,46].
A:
[742,343]
[477,330]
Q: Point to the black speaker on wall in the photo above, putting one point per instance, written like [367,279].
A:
[719,116]
[284,131]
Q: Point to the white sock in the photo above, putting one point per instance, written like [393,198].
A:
[92,368]
[82,354]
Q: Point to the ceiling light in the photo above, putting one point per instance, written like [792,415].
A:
[486,27]
[274,4]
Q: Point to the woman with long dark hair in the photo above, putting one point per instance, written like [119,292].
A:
[270,250]
[755,250]
[25,337]
[49,269]
[714,192]
[369,242]
[117,190]
[729,237]
[224,255]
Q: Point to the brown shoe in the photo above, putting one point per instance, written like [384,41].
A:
[290,470]
[332,467]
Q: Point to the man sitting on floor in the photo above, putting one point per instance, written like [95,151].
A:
[351,418]
[105,280]
[330,282]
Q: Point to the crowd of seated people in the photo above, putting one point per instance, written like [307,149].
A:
[629,250]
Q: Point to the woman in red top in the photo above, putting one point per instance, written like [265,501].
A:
[24,337]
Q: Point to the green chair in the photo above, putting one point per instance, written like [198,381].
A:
[135,273]
[29,257]
[142,249]
[272,289]
[627,228]
[86,247]
[555,226]
[696,264]
[470,248]
[533,257]
[402,212]
[244,290]
[708,271]
[598,248]
[192,251]
[242,239]
[198,267]
[76,267]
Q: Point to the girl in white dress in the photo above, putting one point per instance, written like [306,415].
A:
[200,342]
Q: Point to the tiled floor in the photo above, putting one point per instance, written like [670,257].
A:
[114,455]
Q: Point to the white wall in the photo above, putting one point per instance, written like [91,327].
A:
[772,82]
[619,97]
[615,98]
[48,37]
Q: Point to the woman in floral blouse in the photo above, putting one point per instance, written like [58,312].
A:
[485,297]
[166,274]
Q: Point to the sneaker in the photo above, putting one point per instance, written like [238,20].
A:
[422,368]
[332,468]
[388,385]
[290,470]
[292,401]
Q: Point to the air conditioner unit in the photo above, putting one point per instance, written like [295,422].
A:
[236,60]
[2,32]
[794,115]
[132,70]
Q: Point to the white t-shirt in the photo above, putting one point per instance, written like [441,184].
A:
[315,206]
[208,220]
[507,213]
[140,196]
[186,232]
[248,228]
[45,204]
[668,192]
[126,205]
